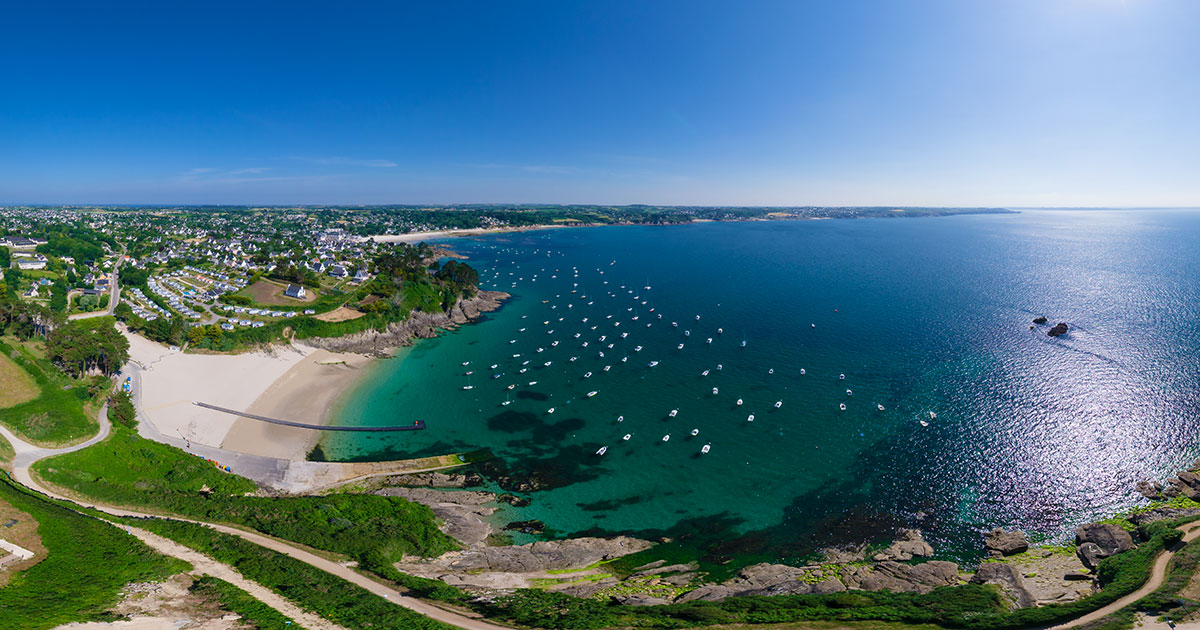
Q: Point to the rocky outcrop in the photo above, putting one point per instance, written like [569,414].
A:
[436,480]
[902,578]
[1096,541]
[1039,320]
[419,325]
[1058,330]
[770,579]
[1008,578]
[533,557]
[999,542]
[908,545]
[1150,489]
[462,513]
[1161,514]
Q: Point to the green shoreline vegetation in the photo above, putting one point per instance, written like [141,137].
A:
[81,578]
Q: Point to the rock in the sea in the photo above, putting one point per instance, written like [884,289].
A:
[1040,320]
[1004,543]
[1058,330]
[1008,579]
[908,545]
[533,526]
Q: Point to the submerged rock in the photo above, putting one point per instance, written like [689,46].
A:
[1058,330]
[1008,578]
[1004,543]
[1150,489]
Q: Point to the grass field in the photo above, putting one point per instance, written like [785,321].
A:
[23,534]
[16,386]
[6,451]
[131,471]
[56,416]
[81,578]
[271,293]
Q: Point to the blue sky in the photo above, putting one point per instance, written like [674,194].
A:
[954,102]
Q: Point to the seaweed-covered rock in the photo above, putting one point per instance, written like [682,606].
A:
[1040,320]
[1058,330]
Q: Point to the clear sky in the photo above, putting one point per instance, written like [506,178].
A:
[953,102]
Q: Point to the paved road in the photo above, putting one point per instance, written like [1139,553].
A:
[1158,574]
[27,454]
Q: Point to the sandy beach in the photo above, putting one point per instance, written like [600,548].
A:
[290,382]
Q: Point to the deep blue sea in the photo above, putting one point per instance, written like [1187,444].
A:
[916,315]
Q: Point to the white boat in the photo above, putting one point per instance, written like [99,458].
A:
[714,391]
[624,335]
[577,335]
[720,331]
[675,324]
[592,393]
[637,349]
[778,404]
[750,418]
[932,416]
[511,386]
[673,413]
[801,371]
[627,436]
[679,347]
[880,407]
[704,449]
[924,424]
[532,383]
[624,359]
[841,377]
[709,340]
[666,437]
[524,370]
[697,318]
[814,325]
[842,406]
[468,387]
[554,344]
[602,450]
[550,410]
[588,375]
[704,373]
[695,432]
[607,368]
[574,359]
[653,363]
[743,343]
[602,337]
[512,341]
[687,333]
[547,364]
[739,402]
[720,367]
[506,403]
[495,365]
[771,371]
[468,362]
[849,393]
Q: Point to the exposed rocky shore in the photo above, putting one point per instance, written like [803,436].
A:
[419,325]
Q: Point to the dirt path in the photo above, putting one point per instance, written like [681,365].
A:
[27,454]
[1158,574]
[208,566]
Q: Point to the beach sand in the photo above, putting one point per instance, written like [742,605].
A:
[295,383]
[305,393]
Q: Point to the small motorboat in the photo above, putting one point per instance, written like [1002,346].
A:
[880,407]
[679,347]
[620,418]
[592,393]
[547,364]
[778,404]
[653,363]
[550,410]
[637,349]
[739,402]
[675,324]
[469,363]
[720,367]
[574,359]
[841,377]
[720,331]
[532,383]
[607,368]
[714,391]
[624,359]
[627,436]
[666,437]
[842,406]
[750,418]
[924,424]
[687,333]
[673,413]
[743,343]
[704,373]
[468,387]
[932,416]
[849,393]
[801,371]
[709,340]
[602,450]
[588,375]
[704,449]
[511,386]
[772,371]
[695,432]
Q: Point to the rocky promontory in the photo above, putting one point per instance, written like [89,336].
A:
[419,325]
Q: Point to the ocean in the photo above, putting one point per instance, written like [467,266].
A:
[914,315]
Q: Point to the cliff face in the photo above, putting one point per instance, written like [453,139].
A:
[419,325]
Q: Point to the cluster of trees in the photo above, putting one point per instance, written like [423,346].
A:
[78,244]
[88,345]
[26,319]
[296,274]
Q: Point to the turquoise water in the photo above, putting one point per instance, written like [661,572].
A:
[918,315]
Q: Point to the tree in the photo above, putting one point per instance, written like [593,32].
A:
[88,344]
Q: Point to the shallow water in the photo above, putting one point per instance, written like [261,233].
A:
[919,315]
